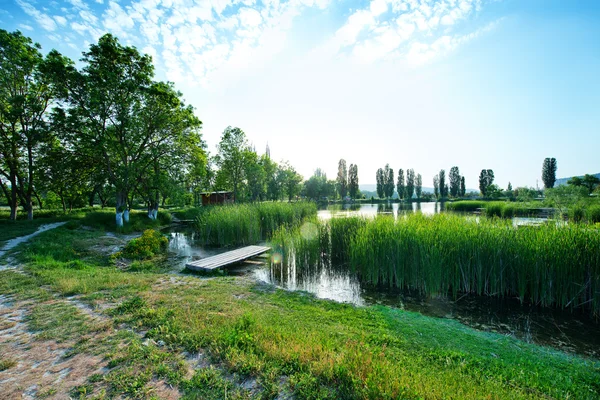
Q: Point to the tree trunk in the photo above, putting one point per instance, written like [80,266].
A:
[29,208]
[39,200]
[121,206]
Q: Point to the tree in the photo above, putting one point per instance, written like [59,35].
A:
[410,183]
[443,185]
[255,176]
[463,187]
[454,181]
[590,182]
[353,181]
[400,184]
[380,183]
[486,178]
[26,92]
[509,188]
[549,172]
[342,178]
[119,117]
[388,184]
[231,159]
[436,186]
[316,187]
[291,180]
[418,186]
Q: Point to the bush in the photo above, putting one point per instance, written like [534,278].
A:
[593,214]
[146,246]
[576,213]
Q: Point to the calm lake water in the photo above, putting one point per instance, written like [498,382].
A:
[568,331]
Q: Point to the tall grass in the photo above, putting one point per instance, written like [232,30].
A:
[501,209]
[242,224]
[548,265]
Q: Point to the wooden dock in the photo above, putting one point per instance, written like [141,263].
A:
[227,258]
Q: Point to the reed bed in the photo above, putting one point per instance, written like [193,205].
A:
[501,209]
[446,254]
[244,224]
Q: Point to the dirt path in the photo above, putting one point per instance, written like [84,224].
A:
[12,243]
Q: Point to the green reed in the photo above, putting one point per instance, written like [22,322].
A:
[242,224]
[549,265]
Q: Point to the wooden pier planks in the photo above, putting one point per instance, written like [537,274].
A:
[227,258]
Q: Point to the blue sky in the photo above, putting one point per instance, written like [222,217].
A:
[422,84]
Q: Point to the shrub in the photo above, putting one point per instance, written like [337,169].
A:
[593,214]
[146,246]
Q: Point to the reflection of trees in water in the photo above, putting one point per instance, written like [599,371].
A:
[384,208]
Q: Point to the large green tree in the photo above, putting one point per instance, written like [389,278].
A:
[353,181]
[342,178]
[400,184]
[117,115]
[26,92]
[454,181]
[418,186]
[379,177]
[410,183]
[442,184]
[486,179]
[388,181]
[436,186]
[549,167]
[231,160]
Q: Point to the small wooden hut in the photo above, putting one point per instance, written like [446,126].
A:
[222,197]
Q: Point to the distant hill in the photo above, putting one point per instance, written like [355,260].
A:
[563,181]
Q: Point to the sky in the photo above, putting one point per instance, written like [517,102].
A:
[422,84]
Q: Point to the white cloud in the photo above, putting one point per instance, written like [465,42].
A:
[62,21]
[44,20]
[372,34]
[26,27]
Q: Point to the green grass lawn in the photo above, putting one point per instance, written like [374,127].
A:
[290,342]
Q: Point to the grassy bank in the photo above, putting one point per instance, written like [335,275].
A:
[283,343]
[242,224]
[447,254]
[91,217]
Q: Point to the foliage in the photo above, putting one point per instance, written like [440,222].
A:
[231,160]
[318,187]
[410,183]
[380,183]
[292,343]
[150,244]
[388,181]
[244,224]
[353,187]
[443,186]
[591,182]
[551,265]
[26,93]
[436,186]
[463,187]
[549,172]
[400,184]
[486,179]
[342,178]
[454,177]
[418,186]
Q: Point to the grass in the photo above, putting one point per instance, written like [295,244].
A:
[243,224]
[6,363]
[548,265]
[91,217]
[287,342]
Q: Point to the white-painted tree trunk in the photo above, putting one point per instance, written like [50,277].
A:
[154,214]
[126,216]
[119,219]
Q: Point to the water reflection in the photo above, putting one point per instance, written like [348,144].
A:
[372,210]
